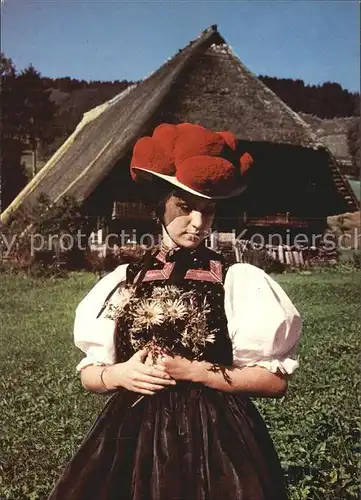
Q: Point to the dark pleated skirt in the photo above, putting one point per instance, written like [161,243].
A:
[185,443]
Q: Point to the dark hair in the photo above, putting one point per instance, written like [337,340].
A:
[154,193]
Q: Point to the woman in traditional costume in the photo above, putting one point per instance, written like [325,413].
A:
[182,342]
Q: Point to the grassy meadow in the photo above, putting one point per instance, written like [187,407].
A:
[45,413]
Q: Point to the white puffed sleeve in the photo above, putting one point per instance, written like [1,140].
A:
[92,334]
[264,325]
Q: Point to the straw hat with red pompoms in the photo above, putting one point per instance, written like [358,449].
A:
[192,158]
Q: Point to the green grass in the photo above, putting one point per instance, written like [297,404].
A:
[45,412]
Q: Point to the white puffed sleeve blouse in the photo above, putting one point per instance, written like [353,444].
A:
[94,333]
[264,325]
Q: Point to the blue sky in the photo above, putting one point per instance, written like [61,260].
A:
[315,41]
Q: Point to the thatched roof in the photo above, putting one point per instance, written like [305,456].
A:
[203,83]
[332,132]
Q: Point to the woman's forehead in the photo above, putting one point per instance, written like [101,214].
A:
[190,199]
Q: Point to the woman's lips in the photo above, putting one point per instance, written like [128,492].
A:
[193,236]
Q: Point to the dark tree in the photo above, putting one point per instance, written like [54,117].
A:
[13,177]
[37,109]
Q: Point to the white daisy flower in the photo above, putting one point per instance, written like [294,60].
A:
[148,313]
[117,302]
[211,338]
[122,298]
[157,292]
[166,292]
[175,309]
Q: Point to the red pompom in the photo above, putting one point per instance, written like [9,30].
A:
[246,161]
[229,138]
[195,140]
[166,135]
[148,154]
[209,175]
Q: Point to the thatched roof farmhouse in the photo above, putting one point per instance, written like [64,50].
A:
[295,180]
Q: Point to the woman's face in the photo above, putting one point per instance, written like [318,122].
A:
[188,218]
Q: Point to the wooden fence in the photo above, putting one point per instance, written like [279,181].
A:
[244,251]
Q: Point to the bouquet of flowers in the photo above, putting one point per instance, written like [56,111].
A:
[170,321]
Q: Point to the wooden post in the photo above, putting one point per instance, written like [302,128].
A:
[295,256]
[213,241]
[34,160]
[288,256]
[238,253]
[300,254]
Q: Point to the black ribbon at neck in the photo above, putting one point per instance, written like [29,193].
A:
[183,261]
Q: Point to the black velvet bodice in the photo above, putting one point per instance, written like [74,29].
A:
[200,270]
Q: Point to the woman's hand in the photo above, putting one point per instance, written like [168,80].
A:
[179,368]
[137,376]
[253,380]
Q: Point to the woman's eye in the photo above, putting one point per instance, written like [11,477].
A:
[186,208]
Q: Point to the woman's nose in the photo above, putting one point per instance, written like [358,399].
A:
[197,220]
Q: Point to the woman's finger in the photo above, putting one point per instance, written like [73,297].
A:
[152,371]
[146,386]
[159,372]
[160,366]
[148,361]
[145,391]
[155,380]
[141,354]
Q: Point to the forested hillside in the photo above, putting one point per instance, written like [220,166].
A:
[328,100]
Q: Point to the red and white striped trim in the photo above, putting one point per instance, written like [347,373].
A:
[214,275]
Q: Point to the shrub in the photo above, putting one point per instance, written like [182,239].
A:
[46,223]
[261,258]
[96,261]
